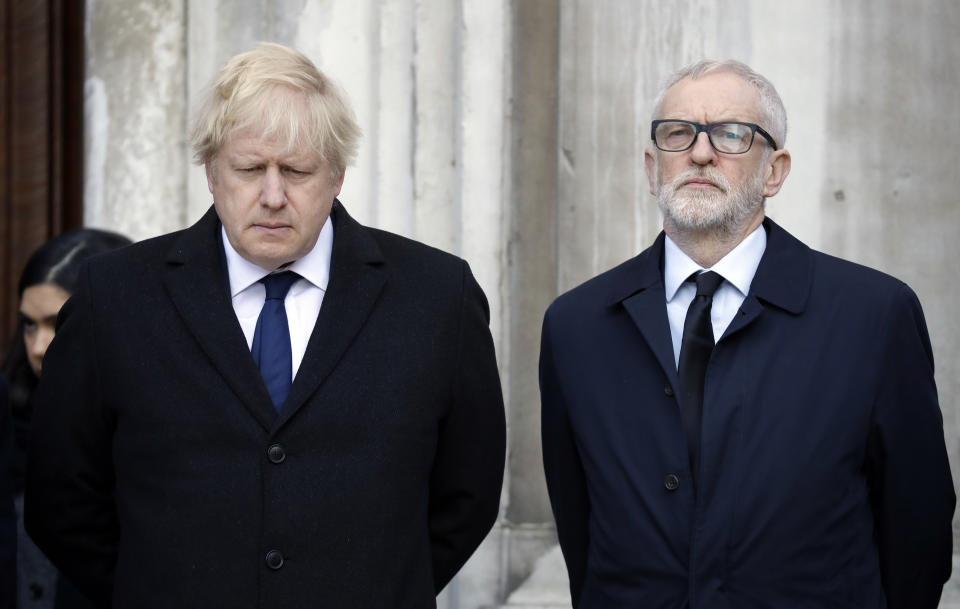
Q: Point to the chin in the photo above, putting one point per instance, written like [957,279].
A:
[262,259]
[271,250]
[696,213]
[709,212]
[275,262]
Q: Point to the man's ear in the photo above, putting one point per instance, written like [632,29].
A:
[650,164]
[208,169]
[776,171]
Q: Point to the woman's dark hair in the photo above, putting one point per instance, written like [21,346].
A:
[57,261]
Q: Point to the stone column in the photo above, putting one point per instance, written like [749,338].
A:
[134,117]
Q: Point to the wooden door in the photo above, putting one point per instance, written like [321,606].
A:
[41,139]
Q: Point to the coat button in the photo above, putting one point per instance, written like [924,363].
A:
[276,454]
[671,482]
[274,559]
[668,390]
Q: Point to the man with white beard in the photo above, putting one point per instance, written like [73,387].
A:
[731,419]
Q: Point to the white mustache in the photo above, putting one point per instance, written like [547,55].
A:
[703,173]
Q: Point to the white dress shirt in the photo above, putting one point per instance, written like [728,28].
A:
[737,268]
[303,301]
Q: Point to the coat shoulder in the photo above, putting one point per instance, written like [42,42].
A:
[134,262]
[397,248]
[844,277]
[602,291]
[417,263]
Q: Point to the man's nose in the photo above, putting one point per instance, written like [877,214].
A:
[702,151]
[272,192]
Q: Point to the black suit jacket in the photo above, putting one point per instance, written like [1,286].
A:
[162,476]
[824,479]
[8,517]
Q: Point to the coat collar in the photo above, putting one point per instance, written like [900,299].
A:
[640,290]
[783,279]
[357,278]
[785,274]
[640,273]
[196,280]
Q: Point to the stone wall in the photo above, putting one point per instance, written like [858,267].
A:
[511,132]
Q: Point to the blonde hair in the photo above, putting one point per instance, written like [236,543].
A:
[774,115]
[280,92]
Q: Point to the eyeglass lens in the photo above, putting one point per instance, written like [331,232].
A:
[734,138]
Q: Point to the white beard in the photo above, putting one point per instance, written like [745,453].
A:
[709,210]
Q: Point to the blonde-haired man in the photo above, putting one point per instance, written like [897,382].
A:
[276,407]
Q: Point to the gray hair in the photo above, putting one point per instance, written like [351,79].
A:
[774,115]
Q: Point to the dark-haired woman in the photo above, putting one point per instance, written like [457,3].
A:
[50,277]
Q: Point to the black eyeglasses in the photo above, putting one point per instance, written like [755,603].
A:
[731,137]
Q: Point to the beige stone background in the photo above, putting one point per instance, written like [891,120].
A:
[511,132]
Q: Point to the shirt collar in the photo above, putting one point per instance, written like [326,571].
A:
[314,266]
[738,267]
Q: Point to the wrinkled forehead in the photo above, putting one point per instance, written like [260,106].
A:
[717,96]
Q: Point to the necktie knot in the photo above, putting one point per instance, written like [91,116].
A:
[707,283]
[278,284]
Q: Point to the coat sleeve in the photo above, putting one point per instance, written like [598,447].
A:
[467,474]
[69,508]
[909,476]
[8,517]
[566,481]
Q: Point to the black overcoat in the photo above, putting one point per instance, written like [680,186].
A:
[162,476]
[8,517]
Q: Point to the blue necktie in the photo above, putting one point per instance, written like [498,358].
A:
[271,340]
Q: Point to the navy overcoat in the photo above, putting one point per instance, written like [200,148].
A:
[824,482]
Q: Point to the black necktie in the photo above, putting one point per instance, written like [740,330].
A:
[695,352]
[271,340]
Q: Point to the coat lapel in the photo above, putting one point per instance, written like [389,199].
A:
[356,280]
[643,296]
[196,280]
[783,278]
